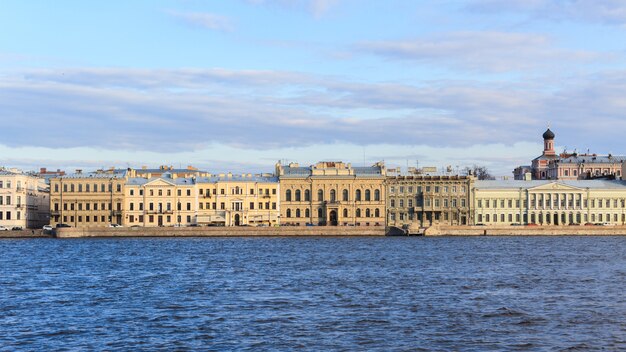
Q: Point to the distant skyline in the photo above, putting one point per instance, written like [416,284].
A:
[238,85]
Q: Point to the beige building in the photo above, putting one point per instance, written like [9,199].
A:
[550,202]
[332,193]
[427,200]
[24,200]
[87,199]
[236,200]
[166,200]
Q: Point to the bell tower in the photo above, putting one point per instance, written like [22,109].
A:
[548,143]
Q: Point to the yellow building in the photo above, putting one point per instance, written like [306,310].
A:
[427,200]
[332,193]
[550,202]
[24,200]
[87,199]
[235,200]
[166,200]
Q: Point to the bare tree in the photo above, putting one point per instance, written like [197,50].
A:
[481,172]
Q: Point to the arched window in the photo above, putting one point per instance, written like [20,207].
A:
[368,195]
[345,195]
[307,195]
[307,213]
[358,195]
[368,213]
[376,213]
[297,213]
[298,194]
[288,213]
[345,213]
[333,195]
[358,213]
[320,196]
[377,195]
[288,196]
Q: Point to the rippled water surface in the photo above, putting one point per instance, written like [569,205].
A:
[317,294]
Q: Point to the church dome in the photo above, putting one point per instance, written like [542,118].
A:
[548,134]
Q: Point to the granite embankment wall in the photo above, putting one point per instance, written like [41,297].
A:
[221,231]
[526,231]
[24,234]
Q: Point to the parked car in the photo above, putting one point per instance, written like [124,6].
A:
[17,228]
[62,225]
[589,224]
[4,228]
[532,224]
[115,225]
[47,227]
[607,224]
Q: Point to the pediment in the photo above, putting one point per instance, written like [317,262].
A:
[555,186]
[159,182]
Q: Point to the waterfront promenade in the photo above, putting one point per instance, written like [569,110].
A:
[293,231]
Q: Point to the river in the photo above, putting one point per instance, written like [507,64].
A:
[314,294]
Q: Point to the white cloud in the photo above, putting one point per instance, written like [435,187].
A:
[205,20]
[482,51]
[611,12]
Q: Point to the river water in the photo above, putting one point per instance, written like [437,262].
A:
[314,294]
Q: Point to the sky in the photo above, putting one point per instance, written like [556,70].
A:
[238,85]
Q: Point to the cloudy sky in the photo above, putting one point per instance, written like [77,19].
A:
[238,85]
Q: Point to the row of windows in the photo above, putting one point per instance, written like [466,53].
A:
[88,219]
[333,195]
[437,202]
[551,218]
[8,184]
[596,172]
[540,202]
[237,191]
[427,217]
[8,215]
[152,218]
[368,213]
[87,187]
[86,206]
[238,206]
[7,200]
[159,192]
[427,189]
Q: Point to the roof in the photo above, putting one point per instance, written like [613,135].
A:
[99,175]
[516,184]
[182,181]
[591,159]
[308,171]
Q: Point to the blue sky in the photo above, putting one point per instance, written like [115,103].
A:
[237,85]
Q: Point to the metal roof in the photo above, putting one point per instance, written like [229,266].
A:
[516,184]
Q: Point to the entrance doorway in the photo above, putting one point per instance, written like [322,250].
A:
[556,219]
[333,218]
[160,219]
[237,220]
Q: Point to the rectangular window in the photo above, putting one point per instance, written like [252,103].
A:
[251,205]
[273,205]
[223,206]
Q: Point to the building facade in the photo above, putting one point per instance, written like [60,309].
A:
[92,199]
[24,200]
[574,202]
[238,200]
[332,194]
[166,200]
[422,201]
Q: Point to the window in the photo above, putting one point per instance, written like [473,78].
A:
[358,195]
[188,192]
[392,203]
[377,212]
[333,195]
[307,212]
[297,213]
[358,213]
[288,195]
[320,195]
[345,195]
[119,188]
[401,203]
[298,195]
[307,195]
[367,195]
[131,206]
[367,213]
[377,195]
[251,205]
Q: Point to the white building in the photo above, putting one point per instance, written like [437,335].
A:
[24,200]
